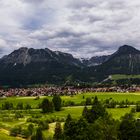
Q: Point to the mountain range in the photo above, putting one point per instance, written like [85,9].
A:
[32,66]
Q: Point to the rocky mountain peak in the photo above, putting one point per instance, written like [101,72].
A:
[126,49]
[25,56]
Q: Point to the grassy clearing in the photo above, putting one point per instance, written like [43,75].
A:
[102,96]
[76,99]
[116,96]
[25,100]
[76,112]
[50,132]
[117,113]
[121,76]
[4,136]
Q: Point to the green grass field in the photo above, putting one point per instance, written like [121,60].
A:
[75,111]
[4,136]
[102,96]
[76,99]
[121,76]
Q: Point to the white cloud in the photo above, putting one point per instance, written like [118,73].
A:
[84,28]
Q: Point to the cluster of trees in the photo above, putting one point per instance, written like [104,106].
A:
[56,104]
[97,110]
[137,107]
[97,124]
[109,103]
[9,106]
[32,131]
[49,106]
[128,81]
[22,132]
[46,105]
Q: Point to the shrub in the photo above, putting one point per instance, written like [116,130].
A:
[19,106]
[138,108]
[43,125]
[18,115]
[30,128]
[69,103]
[38,135]
[15,131]
[88,101]
[7,106]
[27,106]
[25,133]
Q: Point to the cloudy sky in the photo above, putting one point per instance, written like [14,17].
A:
[84,28]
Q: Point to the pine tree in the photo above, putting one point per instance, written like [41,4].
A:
[82,129]
[67,122]
[95,112]
[76,130]
[95,102]
[57,102]
[104,128]
[58,131]
[127,127]
[88,101]
[47,106]
[30,128]
[67,126]
[85,112]
[38,135]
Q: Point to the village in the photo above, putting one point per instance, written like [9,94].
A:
[66,90]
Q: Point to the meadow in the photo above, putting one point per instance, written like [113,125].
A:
[8,120]
[134,97]
[122,76]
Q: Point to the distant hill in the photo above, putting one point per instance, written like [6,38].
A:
[125,61]
[25,56]
[32,66]
[29,66]
[95,61]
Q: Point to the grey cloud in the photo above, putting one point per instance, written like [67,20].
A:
[33,1]
[74,42]
[48,34]
[83,4]
[76,17]
[116,5]
[82,27]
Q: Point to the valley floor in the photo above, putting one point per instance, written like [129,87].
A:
[8,119]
